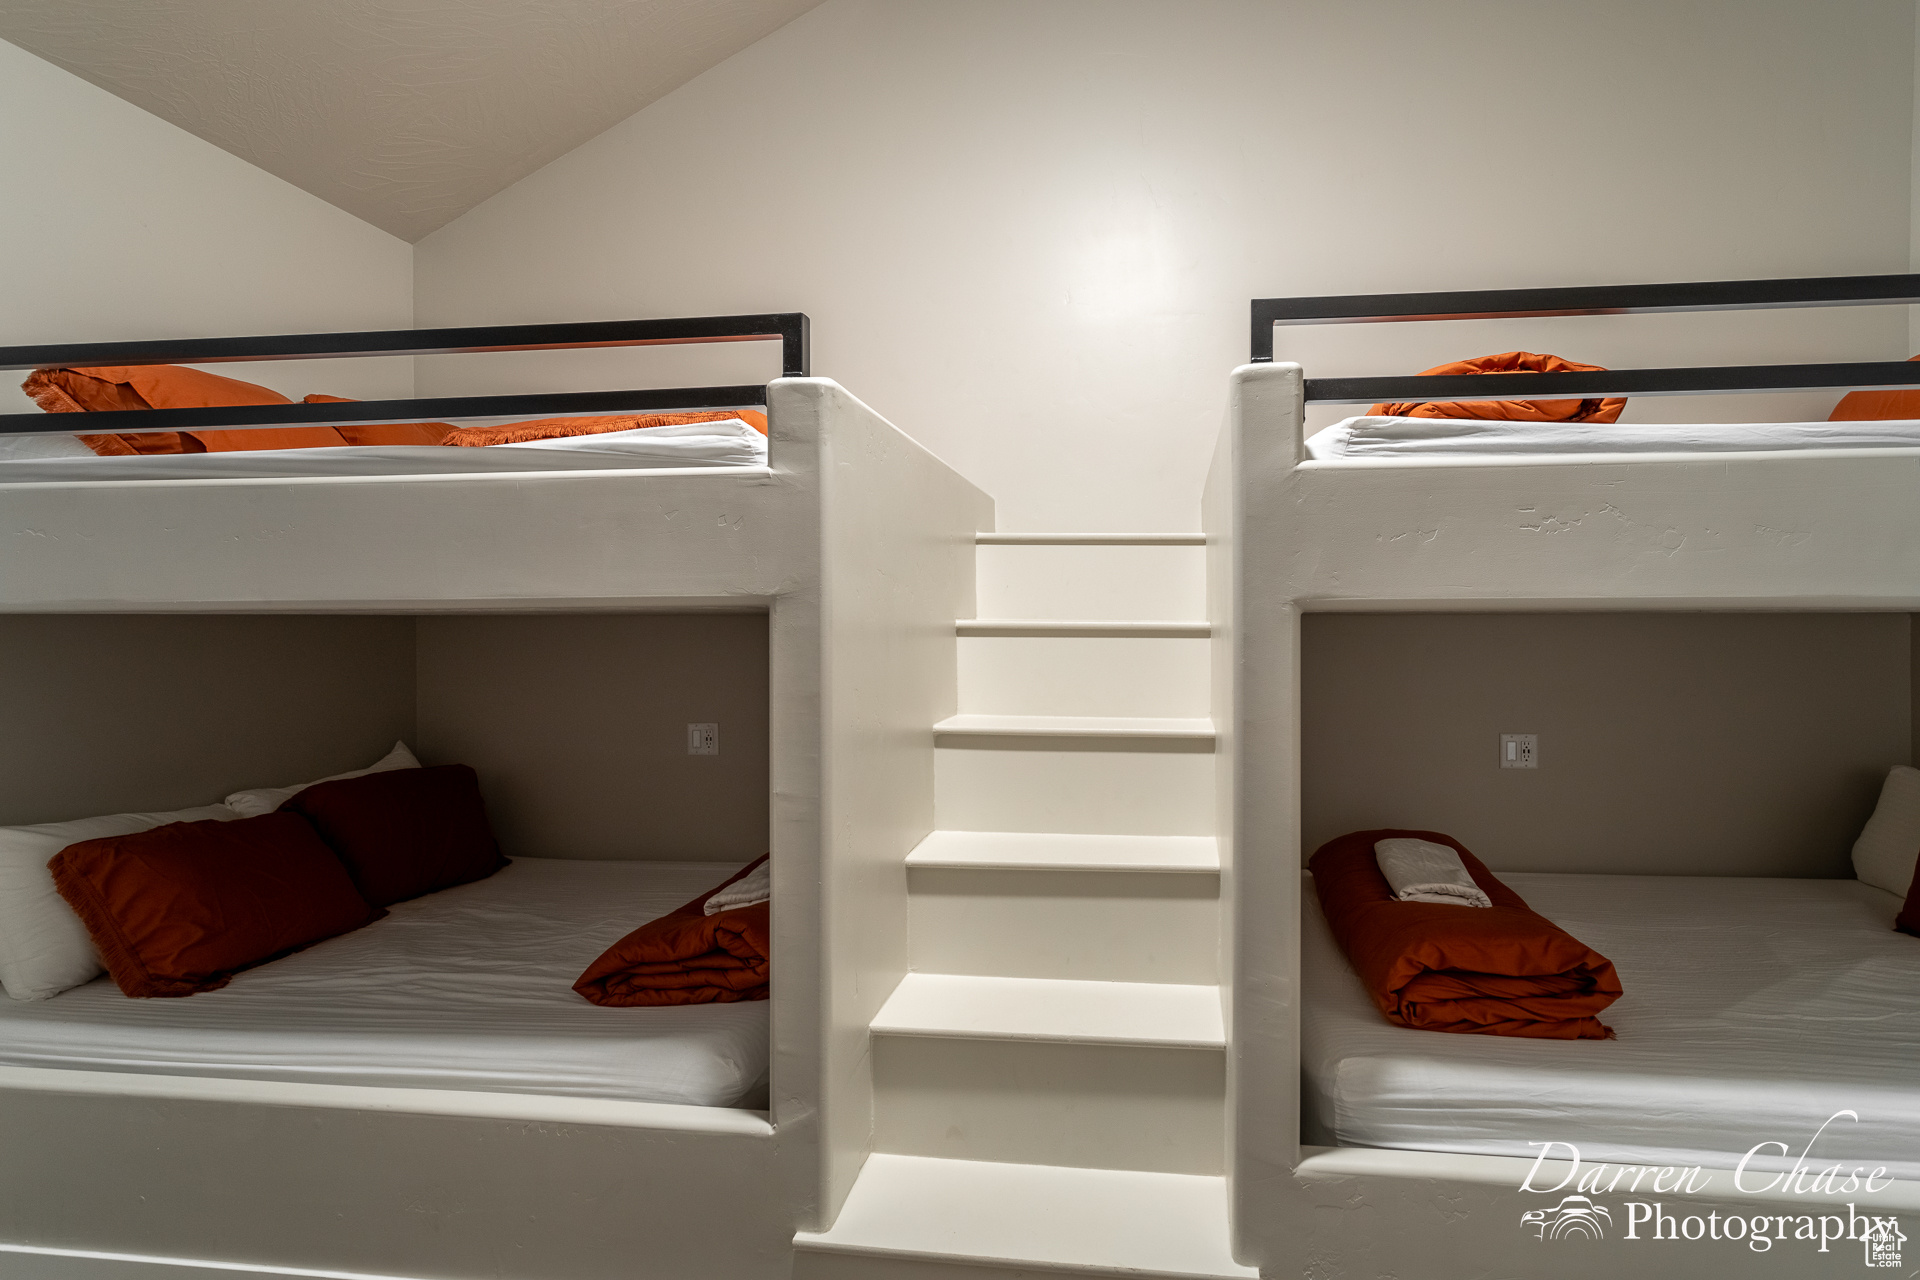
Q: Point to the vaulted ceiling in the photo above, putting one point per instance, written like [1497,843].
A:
[406,113]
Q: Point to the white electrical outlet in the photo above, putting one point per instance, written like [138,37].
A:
[1519,751]
[703,739]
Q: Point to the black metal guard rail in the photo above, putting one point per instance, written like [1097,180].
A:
[1639,299]
[790,328]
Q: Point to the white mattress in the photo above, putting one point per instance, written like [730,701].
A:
[469,988]
[1370,437]
[730,443]
[1754,1010]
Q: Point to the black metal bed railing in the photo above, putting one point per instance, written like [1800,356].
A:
[789,328]
[1596,300]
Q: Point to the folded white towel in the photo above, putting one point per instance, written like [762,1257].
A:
[756,886]
[1422,871]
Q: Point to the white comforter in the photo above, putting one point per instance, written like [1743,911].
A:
[469,988]
[1369,437]
[729,443]
[1754,1010]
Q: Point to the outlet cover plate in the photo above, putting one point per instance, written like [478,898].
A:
[1519,751]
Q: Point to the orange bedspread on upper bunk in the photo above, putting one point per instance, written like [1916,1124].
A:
[687,957]
[1594,410]
[1503,970]
[177,387]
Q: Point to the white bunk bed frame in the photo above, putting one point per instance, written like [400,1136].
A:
[858,544]
[1815,529]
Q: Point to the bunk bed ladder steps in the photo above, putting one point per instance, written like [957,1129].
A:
[1049,1078]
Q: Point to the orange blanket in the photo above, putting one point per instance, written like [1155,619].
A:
[1509,410]
[178,387]
[556,428]
[687,957]
[1503,970]
[1869,406]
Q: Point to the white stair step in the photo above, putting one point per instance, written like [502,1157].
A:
[1020,1216]
[1054,1009]
[1146,729]
[1064,851]
[1161,787]
[1095,628]
[1099,926]
[1103,674]
[1090,576]
[990,539]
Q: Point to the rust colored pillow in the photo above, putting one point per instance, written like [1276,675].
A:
[1908,921]
[182,908]
[405,832]
[166,386]
[554,428]
[1509,410]
[383,432]
[1871,406]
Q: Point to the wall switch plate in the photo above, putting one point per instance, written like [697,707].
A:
[1519,751]
[703,739]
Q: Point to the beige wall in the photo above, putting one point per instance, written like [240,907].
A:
[576,723]
[577,726]
[1678,744]
[116,224]
[1027,230]
[105,714]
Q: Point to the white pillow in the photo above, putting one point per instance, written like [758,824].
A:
[1889,844]
[44,949]
[264,800]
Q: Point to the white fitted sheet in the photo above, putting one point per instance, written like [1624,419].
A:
[729,443]
[1754,1010]
[469,988]
[1379,437]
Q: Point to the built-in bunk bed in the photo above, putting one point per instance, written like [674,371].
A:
[1366,1148]
[428,1094]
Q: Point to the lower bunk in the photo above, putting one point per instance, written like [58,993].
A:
[470,988]
[1755,1011]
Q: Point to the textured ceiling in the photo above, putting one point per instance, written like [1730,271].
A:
[406,113]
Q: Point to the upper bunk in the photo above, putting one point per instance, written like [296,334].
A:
[560,509]
[1387,510]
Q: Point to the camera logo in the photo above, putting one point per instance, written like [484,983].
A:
[1575,1218]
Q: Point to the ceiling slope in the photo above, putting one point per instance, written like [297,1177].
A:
[406,113]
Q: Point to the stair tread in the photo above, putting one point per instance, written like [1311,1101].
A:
[1090,539]
[1078,726]
[1047,851]
[1059,1009]
[1089,1220]
[1122,628]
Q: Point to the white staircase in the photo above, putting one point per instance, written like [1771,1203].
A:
[1049,1078]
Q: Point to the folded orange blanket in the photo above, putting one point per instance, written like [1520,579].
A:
[1504,970]
[1509,410]
[687,957]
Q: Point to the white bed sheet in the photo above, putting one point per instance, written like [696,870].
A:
[469,988]
[1754,1010]
[729,443]
[1381,437]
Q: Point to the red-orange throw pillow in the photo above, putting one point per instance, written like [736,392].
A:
[166,386]
[1509,410]
[404,832]
[182,908]
[1908,921]
[1874,406]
